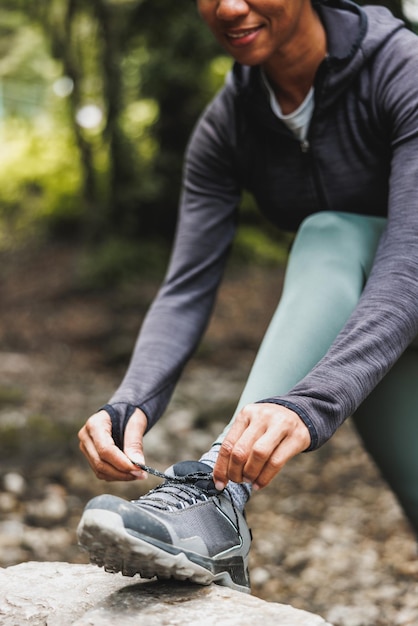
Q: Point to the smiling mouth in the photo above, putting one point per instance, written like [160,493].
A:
[243,33]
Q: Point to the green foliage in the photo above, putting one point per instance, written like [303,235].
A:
[39,179]
[11,396]
[216,73]
[149,78]
[252,245]
[117,260]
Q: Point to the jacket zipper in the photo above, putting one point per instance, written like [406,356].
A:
[306,149]
[305,144]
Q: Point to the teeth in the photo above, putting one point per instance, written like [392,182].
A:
[240,35]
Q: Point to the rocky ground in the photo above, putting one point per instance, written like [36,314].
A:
[328,535]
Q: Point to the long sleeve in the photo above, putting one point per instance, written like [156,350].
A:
[178,316]
[385,321]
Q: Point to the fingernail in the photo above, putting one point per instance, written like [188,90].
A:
[140,475]
[136,461]
[220,486]
[256,487]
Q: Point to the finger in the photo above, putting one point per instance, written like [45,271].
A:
[105,458]
[99,430]
[251,441]
[276,425]
[133,440]
[240,455]
[102,469]
[221,468]
[253,449]
[249,426]
[277,460]
[260,450]
[292,444]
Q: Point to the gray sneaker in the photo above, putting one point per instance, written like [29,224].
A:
[184,529]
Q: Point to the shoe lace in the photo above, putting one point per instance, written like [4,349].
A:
[190,478]
[177,492]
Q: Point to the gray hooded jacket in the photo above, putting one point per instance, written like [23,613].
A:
[361,157]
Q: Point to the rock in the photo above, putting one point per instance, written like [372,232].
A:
[14,483]
[60,594]
[355,616]
[49,511]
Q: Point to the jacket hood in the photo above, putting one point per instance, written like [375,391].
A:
[354,35]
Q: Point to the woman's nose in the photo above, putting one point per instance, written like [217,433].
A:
[231,9]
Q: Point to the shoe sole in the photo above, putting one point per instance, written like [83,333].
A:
[103,535]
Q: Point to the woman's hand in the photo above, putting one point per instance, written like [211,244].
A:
[107,461]
[261,440]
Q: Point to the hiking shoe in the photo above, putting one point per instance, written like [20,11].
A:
[183,529]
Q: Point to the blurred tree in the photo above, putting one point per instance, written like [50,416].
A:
[148,67]
[180,50]
[69,28]
[98,44]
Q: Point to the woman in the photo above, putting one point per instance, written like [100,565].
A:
[319,120]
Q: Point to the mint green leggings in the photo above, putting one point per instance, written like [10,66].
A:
[330,261]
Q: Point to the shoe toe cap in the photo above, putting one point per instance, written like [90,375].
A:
[136,519]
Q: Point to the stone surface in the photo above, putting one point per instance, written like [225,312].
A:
[60,594]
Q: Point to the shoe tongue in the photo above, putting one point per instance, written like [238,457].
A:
[193,469]
[184,468]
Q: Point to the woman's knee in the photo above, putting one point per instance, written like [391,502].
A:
[324,220]
[332,225]
[324,234]
[342,235]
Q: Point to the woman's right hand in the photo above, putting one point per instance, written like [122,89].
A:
[107,461]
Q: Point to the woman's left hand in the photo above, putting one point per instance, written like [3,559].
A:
[261,440]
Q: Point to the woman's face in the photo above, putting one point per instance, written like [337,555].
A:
[255,31]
